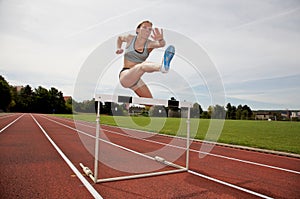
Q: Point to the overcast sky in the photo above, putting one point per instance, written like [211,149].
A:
[254,45]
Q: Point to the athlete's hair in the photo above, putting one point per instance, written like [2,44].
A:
[142,24]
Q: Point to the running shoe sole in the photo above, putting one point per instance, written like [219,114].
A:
[168,56]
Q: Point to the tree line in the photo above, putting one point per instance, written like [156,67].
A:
[42,100]
[241,112]
[38,100]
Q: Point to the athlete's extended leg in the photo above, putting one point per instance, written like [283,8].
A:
[141,89]
[130,77]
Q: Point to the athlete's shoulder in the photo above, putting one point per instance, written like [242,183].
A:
[126,38]
[129,38]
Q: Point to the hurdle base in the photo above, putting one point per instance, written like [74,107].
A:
[90,174]
[140,175]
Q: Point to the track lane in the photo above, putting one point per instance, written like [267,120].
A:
[7,120]
[31,168]
[93,192]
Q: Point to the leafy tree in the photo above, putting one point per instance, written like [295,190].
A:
[68,105]
[219,112]
[238,113]
[210,110]
[5,94]
[196,111]
[216,112]
[243,112]
[42,101]
[24,99]
[205,115]
[57,102]
[87,106]
[231,112]
[247,112]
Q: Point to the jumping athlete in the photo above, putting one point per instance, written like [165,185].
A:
[138,48]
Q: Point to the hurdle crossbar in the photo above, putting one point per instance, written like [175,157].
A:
[143,101]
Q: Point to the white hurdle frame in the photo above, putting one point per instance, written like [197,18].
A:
[143,101]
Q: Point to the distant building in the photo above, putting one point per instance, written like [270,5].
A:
[263,115]
[66,98]
[277,115]
[291,114]
[295,115]
[18,88]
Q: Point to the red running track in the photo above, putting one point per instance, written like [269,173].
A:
[31,167]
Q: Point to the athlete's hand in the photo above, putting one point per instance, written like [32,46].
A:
[119,51]
[157,35]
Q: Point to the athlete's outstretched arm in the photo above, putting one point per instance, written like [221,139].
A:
[158,37]
[120,40]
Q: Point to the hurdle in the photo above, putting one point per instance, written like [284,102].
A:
[142,101]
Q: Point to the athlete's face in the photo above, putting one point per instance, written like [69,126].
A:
[145,30]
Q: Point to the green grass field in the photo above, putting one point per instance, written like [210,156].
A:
[274,135]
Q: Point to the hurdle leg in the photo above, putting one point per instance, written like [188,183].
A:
[97,143]
[188,138]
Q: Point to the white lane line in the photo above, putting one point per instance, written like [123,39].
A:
[7,115]
[89,187]
[229,185]
[11,123]
[249,162]
[193,150]
[189,171]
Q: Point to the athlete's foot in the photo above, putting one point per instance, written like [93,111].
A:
[169,54]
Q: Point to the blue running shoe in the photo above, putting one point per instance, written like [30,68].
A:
[169,54]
